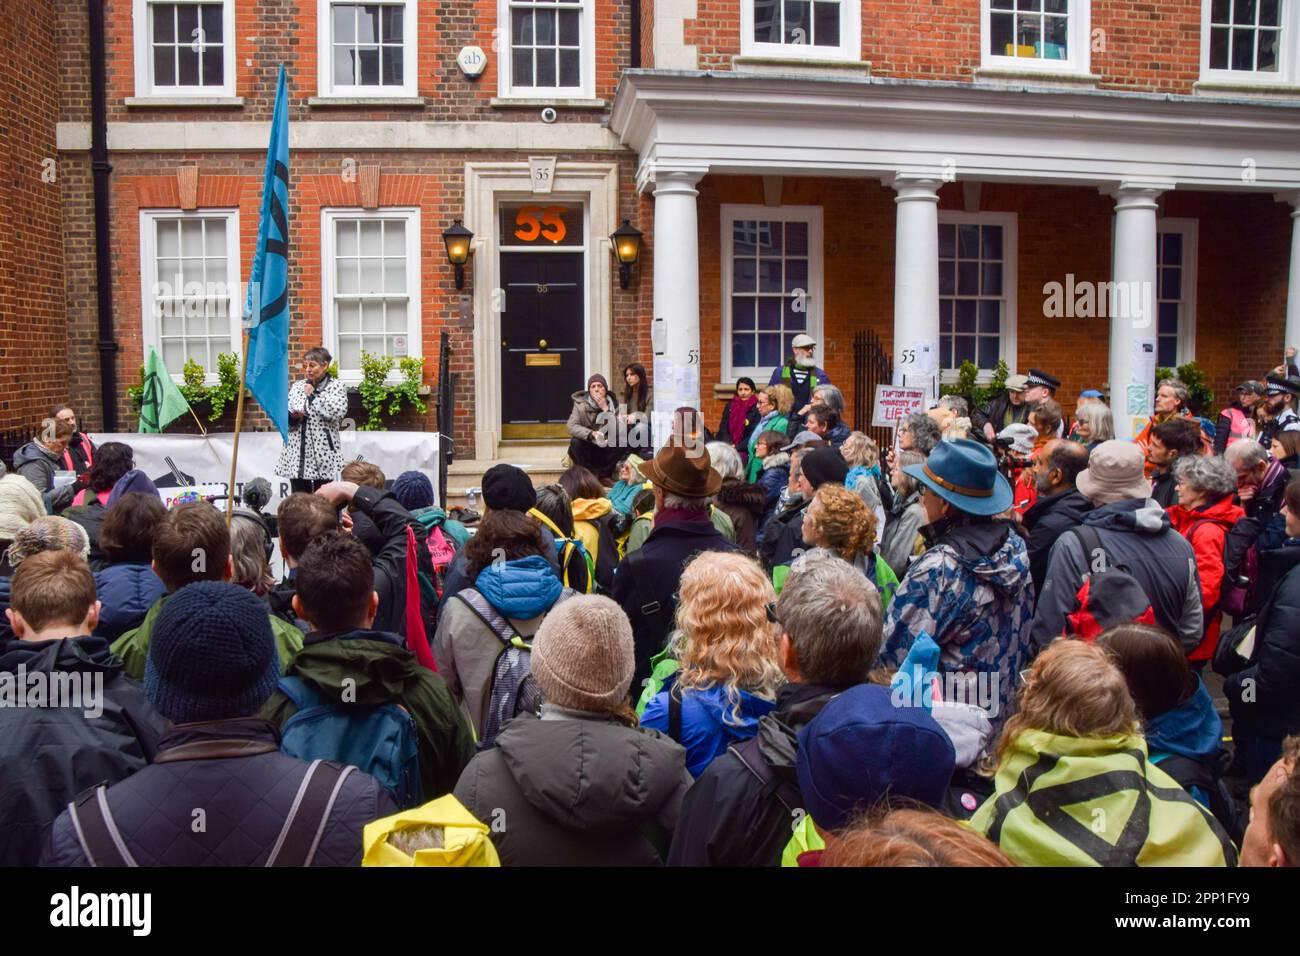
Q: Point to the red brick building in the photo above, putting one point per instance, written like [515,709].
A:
[34,334]
[961,177]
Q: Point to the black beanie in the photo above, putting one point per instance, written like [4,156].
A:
[822,465]
[507,488]
[212,654]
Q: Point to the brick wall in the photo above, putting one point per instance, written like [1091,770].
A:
[433,182]
[647,28]
[1244,249]
[1147,46]
[271,32]
[33,324]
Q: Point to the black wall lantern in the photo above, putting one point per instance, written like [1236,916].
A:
[626,242]
[457,239]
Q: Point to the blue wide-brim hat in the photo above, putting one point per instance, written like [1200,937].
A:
[965,474]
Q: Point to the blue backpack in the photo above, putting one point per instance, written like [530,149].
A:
[381,740]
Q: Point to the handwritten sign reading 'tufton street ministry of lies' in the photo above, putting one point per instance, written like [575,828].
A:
[894,402]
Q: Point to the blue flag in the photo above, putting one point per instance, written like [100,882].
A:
[266,309]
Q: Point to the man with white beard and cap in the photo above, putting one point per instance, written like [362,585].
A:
[800,374]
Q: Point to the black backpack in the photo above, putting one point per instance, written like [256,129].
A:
[1209,777]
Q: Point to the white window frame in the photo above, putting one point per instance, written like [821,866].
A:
[1190,231]
[414,312]
[1288,67]
[586,59]
[142,28]
[1010,275]
[151,332]
[812,215]
[1079,41]
[850,46]
[326,87]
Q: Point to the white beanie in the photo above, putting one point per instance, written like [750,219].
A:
[20,505]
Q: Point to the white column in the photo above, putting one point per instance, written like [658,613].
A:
[1293,283]
[675,329]
[916,279]
[1131,306]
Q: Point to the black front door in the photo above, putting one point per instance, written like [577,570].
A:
[541,341]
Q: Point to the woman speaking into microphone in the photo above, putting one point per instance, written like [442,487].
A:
[317,404]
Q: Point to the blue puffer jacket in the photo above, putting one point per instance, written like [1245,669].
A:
[127,591]
[522,588]
[245,792]
[708,726]
[1192,730]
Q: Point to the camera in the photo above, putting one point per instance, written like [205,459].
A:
[549,115]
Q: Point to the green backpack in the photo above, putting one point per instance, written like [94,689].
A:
[662,668]
[886,580]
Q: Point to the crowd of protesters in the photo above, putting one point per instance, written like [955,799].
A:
[771,643]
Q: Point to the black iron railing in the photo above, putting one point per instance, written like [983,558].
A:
[872,366]
[445,407]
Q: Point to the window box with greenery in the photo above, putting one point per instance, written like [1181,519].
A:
[216,397]
[383,400]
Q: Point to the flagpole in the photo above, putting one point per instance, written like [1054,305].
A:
[239,423]
[203,431]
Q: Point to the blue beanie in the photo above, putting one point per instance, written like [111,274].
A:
[211,655]
[862,748]
[413,490]
[134,480]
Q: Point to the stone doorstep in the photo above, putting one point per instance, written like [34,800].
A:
[542,461]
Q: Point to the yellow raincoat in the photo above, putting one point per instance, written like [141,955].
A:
[465,840]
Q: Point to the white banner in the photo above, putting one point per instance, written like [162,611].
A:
[205,460]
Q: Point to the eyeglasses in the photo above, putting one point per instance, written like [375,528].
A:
[770,608]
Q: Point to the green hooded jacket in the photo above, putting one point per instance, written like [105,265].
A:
[133,646]
[369,668]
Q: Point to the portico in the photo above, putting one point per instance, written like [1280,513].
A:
[918,138]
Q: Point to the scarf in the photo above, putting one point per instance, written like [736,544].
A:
[671,515]
[739,412]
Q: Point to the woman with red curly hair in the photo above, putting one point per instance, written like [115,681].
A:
[839,521]
[726,648]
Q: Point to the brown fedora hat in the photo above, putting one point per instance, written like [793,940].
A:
[682,471]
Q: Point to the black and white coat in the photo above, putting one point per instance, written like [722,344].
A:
[312,451]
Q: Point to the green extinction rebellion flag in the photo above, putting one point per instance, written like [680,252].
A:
[162,402]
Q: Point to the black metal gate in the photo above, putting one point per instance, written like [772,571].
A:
[10,441]
[872,366]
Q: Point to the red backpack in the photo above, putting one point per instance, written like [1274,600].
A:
[1108,596]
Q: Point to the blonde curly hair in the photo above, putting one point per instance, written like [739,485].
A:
[838,519]
[781,397]
[1073,689]
[726,637]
